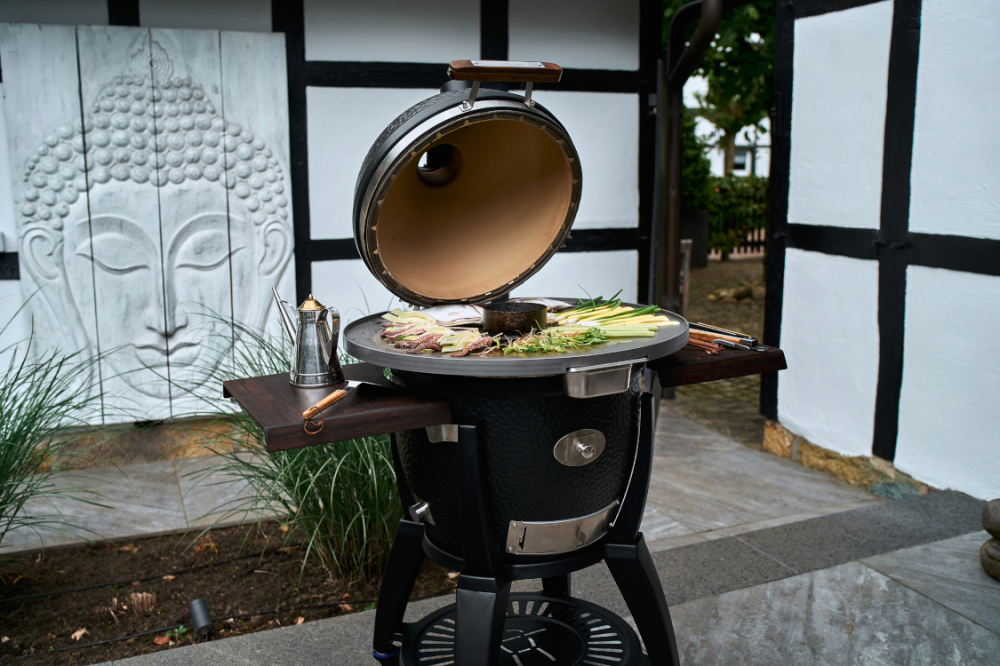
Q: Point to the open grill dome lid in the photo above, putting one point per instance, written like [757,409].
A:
[469,193]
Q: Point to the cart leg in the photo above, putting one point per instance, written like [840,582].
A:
[405,558]
[481,608]
[557,585]
[635,575]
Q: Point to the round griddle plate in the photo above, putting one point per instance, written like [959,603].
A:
[362,340]
[540,630]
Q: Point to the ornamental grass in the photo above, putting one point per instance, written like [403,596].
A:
[339,498]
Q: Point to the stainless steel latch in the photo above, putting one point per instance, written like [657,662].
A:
[597,380]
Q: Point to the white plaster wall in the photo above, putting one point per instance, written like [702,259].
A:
[605,130]
[840,63]
[829,333]
[235,15]
[354,291]
[348,286]
[55,12]
[580,34]
[576,274]
[392,30]
[342,125]
[949,412]
[955,177]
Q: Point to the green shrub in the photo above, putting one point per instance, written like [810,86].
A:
[696,169]
[341,495]
[40,398]
[737,206]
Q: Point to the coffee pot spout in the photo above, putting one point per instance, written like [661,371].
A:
[283,308]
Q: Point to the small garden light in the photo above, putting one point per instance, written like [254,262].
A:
[201,619]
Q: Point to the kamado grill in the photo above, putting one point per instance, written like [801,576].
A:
[511,467]
[532,474]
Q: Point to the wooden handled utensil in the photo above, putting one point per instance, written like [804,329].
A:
[310,414]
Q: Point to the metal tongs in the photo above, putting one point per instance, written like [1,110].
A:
[729,339]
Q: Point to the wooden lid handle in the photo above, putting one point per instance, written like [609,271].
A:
[504,70]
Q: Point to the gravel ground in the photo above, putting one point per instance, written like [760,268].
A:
[728,406]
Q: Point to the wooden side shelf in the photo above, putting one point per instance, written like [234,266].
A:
[379,406]
[371,409]
[694,366]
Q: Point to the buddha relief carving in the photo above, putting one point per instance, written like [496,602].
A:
[150,225]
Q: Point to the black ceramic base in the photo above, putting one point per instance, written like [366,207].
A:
[540,630]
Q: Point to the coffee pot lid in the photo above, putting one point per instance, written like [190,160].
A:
[311,304]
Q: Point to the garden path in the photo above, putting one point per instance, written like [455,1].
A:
[763,562]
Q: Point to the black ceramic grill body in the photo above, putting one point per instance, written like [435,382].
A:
[492,212]
[520,421]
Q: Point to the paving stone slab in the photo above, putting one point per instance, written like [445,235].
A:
[851,535]
[849,614]
[949,573]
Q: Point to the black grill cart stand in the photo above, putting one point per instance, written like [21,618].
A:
[487,624]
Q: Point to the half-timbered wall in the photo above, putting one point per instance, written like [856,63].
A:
[351,67]
[884,262]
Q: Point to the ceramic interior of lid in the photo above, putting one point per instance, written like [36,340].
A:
[491,202]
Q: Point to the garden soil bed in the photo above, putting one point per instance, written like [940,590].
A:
[239,571]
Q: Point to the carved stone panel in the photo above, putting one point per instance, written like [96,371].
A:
[167,218]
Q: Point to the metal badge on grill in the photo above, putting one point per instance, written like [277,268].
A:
[580,447]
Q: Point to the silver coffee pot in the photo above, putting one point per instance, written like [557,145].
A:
[314,362]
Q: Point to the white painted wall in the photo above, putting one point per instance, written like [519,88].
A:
[605,130]
[234,15]
[829,333]
[350,287]
[949,412]
[392,30]
[581,34]
[55,12]
[840,70]
[955,178]
[342,125]
[576,274]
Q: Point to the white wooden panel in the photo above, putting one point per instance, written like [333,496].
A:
[392,30]
[42,103]
[342,125]
[840,67]
[193,213]
[584,34]
[8,224]
[349,286]
[829,333]
[949,406]
[956,148]
[121,246]
[577,274]
[255,93]
[58,12]
[13,325]
[605,130]
[241,15]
